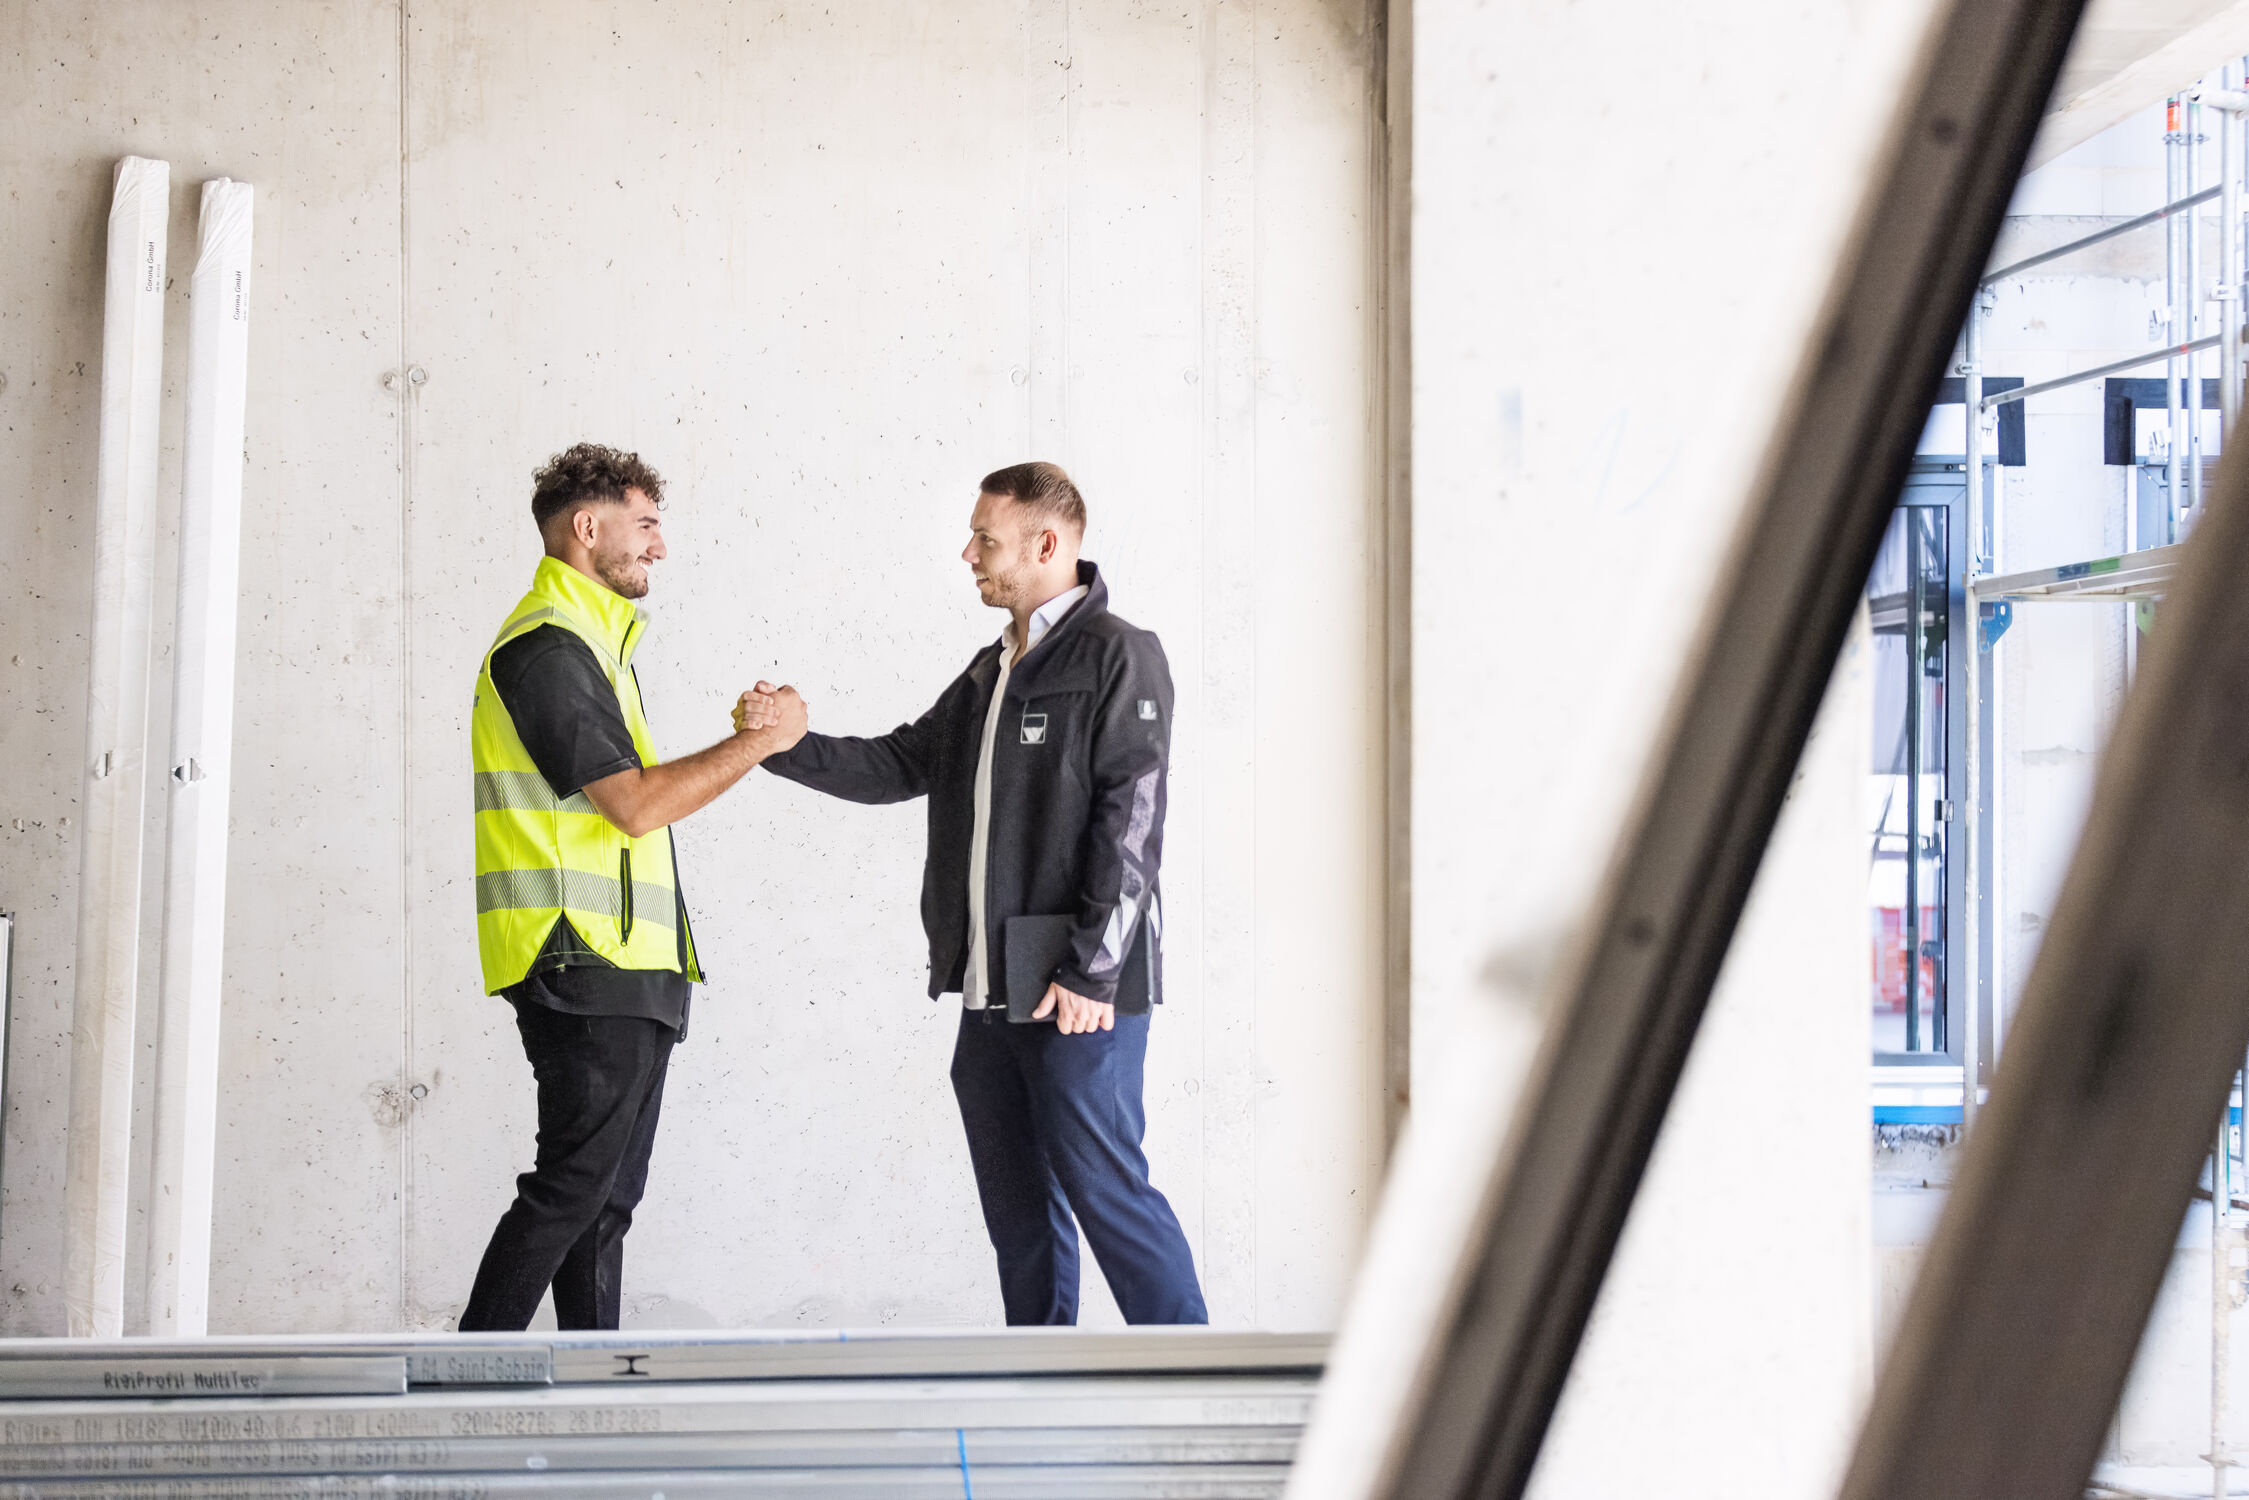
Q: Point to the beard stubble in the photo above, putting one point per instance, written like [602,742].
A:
[616,570]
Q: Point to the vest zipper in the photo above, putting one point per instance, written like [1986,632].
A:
[689,965]
[625,879]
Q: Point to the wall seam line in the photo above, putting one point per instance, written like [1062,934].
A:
[406,388]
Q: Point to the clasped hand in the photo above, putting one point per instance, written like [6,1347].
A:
[779,710]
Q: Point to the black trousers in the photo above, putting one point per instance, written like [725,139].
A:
[1054,1129]
[601,1085]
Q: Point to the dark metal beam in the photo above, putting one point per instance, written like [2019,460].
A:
[2032,1300]
[1629,1011]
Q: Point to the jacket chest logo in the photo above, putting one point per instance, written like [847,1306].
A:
[1034,729]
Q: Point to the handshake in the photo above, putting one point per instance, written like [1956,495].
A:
[776,714]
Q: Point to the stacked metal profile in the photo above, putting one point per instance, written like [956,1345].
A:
[1173,1413]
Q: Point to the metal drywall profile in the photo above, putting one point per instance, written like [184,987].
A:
[202,761]
[946,1436]
[884,1355]
[109,814]
[1496,1232]
[872,1412]
[637,1358]
[131,1375]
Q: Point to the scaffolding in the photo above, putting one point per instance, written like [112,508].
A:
[2139,574]
[2135,579]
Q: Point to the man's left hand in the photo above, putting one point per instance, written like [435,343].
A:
[1077,1012]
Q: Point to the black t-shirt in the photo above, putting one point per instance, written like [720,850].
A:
[566,714]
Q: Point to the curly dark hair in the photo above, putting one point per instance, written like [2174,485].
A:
[590,473]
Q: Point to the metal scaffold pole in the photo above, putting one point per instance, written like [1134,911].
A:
[2228,290]
[2221,1301]
[2173,295]
[1979,563]
[1916,601]
[2229,102]
[2191,156]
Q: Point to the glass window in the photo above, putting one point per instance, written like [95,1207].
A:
[1910,596]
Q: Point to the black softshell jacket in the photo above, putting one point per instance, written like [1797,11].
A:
[1079,760]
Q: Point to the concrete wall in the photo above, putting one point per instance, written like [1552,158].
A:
[824,266]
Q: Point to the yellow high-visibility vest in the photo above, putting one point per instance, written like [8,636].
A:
[542,858]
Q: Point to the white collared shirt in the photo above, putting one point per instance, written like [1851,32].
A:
[976,987]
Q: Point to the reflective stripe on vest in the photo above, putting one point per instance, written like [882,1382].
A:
[602,895]
[526,790]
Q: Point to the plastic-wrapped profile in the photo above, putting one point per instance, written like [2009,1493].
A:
[126,1376]
[837,1413]
[124,545]
[187,1059]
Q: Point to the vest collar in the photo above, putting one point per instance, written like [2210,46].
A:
[616,619]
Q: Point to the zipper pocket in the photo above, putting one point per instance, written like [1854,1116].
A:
[625,879]
[690,964]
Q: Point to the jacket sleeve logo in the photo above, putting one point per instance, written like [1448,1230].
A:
[1034,729]
[1148,709]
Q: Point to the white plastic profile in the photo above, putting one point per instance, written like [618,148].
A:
[187,1054]
[109,878]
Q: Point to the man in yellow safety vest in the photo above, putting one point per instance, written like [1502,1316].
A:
[579,919]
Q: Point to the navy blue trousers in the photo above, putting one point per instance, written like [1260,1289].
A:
[1054,1128]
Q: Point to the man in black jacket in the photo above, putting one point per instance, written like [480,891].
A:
[1044,766]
